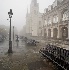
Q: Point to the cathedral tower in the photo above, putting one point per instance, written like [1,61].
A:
[33,19]
[34,7]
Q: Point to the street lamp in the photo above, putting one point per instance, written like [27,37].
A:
[10,42]
[13,35]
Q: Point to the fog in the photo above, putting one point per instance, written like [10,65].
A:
[19,8]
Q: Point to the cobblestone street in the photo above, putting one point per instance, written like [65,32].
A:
[24,58]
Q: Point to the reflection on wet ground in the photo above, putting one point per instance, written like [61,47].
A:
[23,58]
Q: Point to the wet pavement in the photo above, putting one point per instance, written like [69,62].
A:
[23,58]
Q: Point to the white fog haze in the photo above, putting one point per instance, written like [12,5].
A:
[19,9]
[34,34]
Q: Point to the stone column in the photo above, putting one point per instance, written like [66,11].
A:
[47,32]
[51,32]
[58,36]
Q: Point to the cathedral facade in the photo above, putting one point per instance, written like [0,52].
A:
[34,20]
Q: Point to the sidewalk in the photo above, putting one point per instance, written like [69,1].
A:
[58,44]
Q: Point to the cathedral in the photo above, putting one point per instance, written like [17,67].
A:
[34,20]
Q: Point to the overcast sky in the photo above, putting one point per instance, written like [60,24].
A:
[19,8]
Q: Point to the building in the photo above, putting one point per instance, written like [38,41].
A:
[56,20]
[34,20]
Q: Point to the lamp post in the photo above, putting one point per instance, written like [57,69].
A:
[13,35]
[10,42]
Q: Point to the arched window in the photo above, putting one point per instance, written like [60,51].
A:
[55,18]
